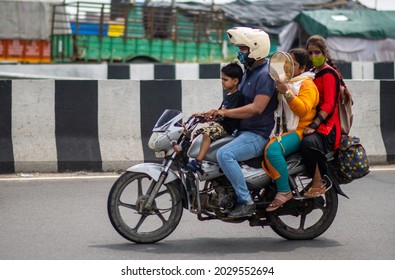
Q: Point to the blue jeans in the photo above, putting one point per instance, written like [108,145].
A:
[245,146]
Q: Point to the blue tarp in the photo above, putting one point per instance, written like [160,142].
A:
[87,28]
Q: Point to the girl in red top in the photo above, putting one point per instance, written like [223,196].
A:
[323,134]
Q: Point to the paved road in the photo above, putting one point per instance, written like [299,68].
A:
[66,218]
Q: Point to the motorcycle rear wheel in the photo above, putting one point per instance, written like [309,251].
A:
[133,222]
[311,217]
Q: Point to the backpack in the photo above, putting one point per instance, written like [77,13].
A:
[351,160]
[345,109]
[345,104]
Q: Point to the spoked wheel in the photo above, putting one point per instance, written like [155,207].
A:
[305,219]
[127,214]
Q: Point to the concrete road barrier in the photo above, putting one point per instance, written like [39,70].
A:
[359,70]
[104,125]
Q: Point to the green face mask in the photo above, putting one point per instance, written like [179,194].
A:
[318,60]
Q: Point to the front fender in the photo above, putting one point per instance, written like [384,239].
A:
[153,170]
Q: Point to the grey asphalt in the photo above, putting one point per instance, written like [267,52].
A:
[51,218]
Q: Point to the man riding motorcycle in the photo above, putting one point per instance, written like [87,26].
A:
[257,114]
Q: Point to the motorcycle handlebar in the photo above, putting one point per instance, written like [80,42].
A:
[201,118]
[195,119]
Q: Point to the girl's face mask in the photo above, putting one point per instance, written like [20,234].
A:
[318,60]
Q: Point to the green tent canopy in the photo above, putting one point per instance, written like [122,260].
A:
[367,24]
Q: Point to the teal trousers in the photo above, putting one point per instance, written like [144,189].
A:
[276,153]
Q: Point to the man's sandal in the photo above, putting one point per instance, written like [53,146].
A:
[315,191]
[279,200]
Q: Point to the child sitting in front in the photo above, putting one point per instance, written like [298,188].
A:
[231,75]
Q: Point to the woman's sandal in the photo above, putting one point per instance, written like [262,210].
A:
[315,191]
[279,200]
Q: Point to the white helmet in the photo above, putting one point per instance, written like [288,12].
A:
[256,39]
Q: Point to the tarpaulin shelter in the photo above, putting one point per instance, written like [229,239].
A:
[353,32]
[353,35]
[26,19]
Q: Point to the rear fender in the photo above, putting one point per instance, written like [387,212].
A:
[335,182]
[295,166]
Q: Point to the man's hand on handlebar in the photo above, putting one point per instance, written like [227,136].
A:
[200,116]
[214,115]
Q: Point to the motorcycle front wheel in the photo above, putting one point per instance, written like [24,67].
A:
[128,216]
[305,219]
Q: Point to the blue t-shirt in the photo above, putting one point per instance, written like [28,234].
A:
[258,81]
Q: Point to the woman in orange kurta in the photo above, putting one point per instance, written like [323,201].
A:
[323,134]
[302,100]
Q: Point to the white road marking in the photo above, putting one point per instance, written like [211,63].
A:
[82,176]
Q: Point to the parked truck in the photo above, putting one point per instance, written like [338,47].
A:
[87,32]
[56,31]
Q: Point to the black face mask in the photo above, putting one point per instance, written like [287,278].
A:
[244,59]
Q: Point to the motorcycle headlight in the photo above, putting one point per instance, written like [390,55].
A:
[152,140]
[162,141]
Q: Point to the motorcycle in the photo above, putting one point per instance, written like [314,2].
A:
[146,203]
